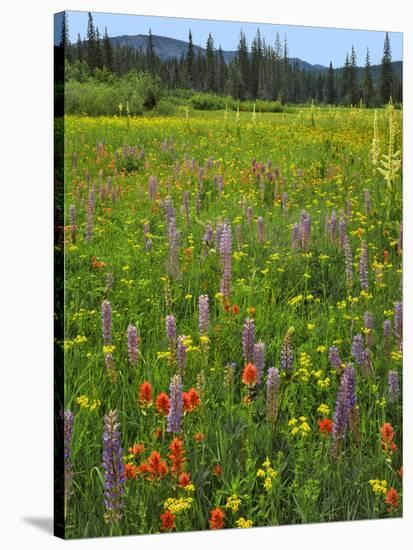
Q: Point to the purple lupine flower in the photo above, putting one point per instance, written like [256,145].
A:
[364,266]
[334,358]
[132,345]
[386,335]
[348,257]
[332,227]
[260,228]
[357,349]
[342,231]
[203,309]
[218,235]
[171,329]
[181,355]
[106,321]
[393,384]
[258,352]
[398,323]
[68,422]
[226,258]
[198,203]
[346,399]
[72,214]
[229,373]
[295,236]
[152,187]
[249,215]
[287,357]
[367,201]
[248,339]
[220,185]
[305,228]
[114,472]
[89,224]
[273,383]
[176,404]
[208,235]
[369,325]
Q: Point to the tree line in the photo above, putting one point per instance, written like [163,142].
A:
[261,71]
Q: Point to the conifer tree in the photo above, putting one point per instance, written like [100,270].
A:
[368,89]
[386,72]
[330,87]
[244,66]
[210,65]
[107,52]
[190,62]
[150,54]
[352,78]
[91,44]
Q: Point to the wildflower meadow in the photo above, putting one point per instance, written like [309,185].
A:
[233,319]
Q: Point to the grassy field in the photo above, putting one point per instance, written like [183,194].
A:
[162,210]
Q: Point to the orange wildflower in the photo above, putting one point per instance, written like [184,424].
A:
[184,479]
[387,436]
[136,449]
[130,471]
[191,400]
[96,264]
[392,499]
[217,470]
[145,394]
[325,426]
[177,456]
[157,434]
[162,403]
[249,375]
[235,309]
[251,311]
[216,520]
[167,519]
[154,468]
[199,436]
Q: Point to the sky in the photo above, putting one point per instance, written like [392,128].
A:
[316,45]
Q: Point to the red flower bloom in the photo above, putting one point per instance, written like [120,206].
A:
[217,470]
[177,456]
[216,520]
[199,436]
[325,426]
[154,468]
[387,433]
[130,471]
[162,403]
[145,394]
[235,309]
[136,449]
[167,519]
[191,400]
[392,499]
[184,479]
[249,375]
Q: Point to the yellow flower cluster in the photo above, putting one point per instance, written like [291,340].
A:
[268,473]
[84,402]
[378,487]
[177,505]
[79,339]
[108,349]
[243,523]
[323,409]
[233,503]
[302,429]
[323,384]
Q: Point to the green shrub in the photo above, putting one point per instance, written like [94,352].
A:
[210,102]
[165,108]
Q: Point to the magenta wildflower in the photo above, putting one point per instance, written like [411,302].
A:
[176,405]
[132,345]
[114,476]
[273,383]
[248,340]
[259,359]
[203,308]
[106,321]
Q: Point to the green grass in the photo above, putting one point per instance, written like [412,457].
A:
[323,159]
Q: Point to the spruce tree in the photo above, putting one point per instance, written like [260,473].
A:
[79,48]
[107,52]
[330,87]
[91,45]
[386,72]
[210,65]
[190,62]
[368,89]
[345,81]
[352,79]
[150,54]
[244,66]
